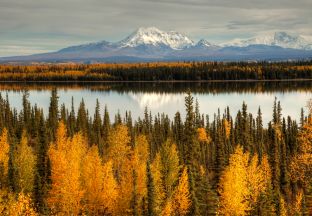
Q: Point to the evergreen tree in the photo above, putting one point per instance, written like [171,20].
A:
[53,113]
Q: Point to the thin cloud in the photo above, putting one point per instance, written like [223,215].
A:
[60,23]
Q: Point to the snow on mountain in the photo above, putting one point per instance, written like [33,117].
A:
[156,37]
[205,44]
[147,44]
[96,46]
[281,39]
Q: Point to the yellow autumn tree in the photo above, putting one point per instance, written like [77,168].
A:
[167,210]
[4,157]
[100,187]
[203,136]
[22,206]
[24,161]
[13,205]
[110,188]
[159,191]
[301,165]
[140,156]
[181,197]
[283,207]
[169,166]
[296,204]
[233,185]
[227,128]
[66,156]
[121,155]
[242,183]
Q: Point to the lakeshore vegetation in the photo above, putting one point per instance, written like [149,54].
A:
[71,163]
[159,71]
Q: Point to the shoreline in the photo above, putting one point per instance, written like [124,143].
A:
[159,81]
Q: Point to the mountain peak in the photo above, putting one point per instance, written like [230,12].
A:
[204,43]
[154,36]
[282,39]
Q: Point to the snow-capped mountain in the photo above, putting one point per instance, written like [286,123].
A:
[156,37]
[206,44]
[281,39]
[152,44]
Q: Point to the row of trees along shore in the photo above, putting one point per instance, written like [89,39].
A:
[158,71]
[69,163]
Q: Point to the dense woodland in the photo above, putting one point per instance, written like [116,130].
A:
[70,163]
[161,71]
[166,87]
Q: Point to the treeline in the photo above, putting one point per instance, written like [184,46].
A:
[71,163]
[166,87]
[171,71]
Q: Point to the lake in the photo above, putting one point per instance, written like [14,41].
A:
[168,97]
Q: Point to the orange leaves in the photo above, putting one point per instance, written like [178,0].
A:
[23,206]
[119,149]
[169,166]
[227,128]
[121,155]
[181,197]
[203,136]
[233,185]
[4,157]
[100,187]
[80,180]
[301,165]
[16,206]
[66,161]
[140,157]
[242,183]
[156,168]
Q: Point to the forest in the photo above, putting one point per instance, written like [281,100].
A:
[166,87]
[158,71]
[69,162]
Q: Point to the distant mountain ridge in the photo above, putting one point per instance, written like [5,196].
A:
[150,44]
[281,39]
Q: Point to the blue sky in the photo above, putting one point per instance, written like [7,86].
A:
[36,26]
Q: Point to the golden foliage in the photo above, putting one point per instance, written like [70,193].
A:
[140,157]
[119,149]
[282,207]
[10,206]
[181,197]
[227,128]
[24,162]
[23,206]
[169,166]
[301,164]
[121,155]
[233,185]
[66,160]
[296,205]
[159,195]
[242,183]
[168,209]
[203,136]
[100,187]
[4,157]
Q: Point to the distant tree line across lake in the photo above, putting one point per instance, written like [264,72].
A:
[71,163]
[159,71]
[166,87]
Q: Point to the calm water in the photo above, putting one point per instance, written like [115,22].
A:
[168,97]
